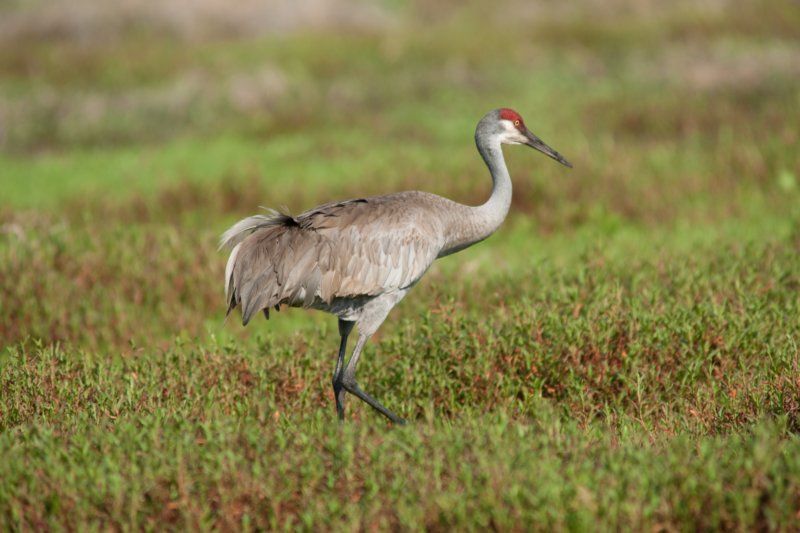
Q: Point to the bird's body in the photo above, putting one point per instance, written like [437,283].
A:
[358,258]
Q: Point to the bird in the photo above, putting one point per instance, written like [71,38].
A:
[356,259]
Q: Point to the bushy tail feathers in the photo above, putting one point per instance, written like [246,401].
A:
[243,284]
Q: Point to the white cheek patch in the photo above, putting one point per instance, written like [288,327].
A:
[511,134]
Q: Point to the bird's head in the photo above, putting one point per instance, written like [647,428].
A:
[509,128]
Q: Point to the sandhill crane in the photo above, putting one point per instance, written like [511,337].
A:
[358,258]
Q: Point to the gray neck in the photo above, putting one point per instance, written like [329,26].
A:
[473,224]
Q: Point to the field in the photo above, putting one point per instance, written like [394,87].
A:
[623,354]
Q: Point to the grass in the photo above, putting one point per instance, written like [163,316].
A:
[622,354]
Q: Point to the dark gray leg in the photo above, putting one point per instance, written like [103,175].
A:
[348,380]
[345,328]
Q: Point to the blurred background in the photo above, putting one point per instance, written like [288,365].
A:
[132,133]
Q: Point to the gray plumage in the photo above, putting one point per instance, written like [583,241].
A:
[358,258]
[331,252]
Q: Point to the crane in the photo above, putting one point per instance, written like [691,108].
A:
[358,258]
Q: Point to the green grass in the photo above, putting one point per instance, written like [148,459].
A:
[622,355]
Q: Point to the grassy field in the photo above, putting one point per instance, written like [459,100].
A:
[622,355]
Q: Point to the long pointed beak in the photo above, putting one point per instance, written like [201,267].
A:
[535,142]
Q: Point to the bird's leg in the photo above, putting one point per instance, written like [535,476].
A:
[345,328]
[348,380]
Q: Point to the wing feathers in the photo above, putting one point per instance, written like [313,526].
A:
[362,247]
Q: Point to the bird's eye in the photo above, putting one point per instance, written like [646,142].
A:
[516,123]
